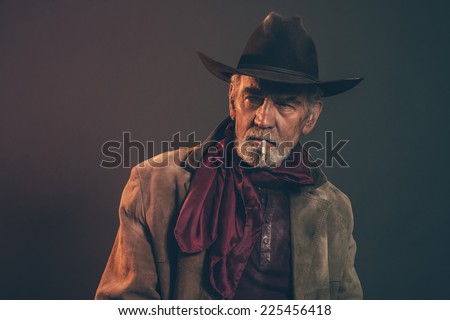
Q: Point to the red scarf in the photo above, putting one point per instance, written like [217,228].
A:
[222,211]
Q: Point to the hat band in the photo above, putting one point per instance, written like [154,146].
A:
[278,70]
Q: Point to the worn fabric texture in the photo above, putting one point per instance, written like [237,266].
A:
[146,263]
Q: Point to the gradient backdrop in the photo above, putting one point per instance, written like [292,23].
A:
[75,74]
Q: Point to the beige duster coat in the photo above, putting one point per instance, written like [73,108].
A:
[145,262]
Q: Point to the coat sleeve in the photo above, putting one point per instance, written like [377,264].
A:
[350,287]
[130,272]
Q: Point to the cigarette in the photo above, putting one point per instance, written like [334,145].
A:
[263,151]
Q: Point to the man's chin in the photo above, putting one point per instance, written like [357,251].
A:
[260,164]
[254,158]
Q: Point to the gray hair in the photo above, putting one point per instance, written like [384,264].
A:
[235,82]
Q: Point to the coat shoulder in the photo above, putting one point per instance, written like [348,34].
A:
[164,181]
[339,204]
[330,192]
[167,166]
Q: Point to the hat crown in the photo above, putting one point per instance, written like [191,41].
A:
[281,43]
[280,50]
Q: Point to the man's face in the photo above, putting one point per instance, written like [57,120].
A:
[272,112]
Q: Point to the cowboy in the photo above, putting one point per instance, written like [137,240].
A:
[242,216]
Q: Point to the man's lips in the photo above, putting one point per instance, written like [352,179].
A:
[259,141]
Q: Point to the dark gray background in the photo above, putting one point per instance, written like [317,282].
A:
[75,74]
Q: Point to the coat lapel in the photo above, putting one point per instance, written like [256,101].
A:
[308,242]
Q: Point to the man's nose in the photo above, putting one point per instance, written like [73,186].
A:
[265,114]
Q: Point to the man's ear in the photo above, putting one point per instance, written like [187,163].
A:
[312,118]
[231,102]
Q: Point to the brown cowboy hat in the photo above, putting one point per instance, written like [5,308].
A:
[280,50]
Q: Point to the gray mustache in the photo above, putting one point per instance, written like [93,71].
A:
[265,136]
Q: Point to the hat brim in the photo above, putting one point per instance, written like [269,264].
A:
[329,88]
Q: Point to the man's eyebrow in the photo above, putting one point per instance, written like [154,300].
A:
[290,99]
[252,90]
[284,98]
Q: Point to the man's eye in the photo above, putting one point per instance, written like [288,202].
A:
[254,99]
[286,106]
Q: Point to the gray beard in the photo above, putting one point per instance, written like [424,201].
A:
[253,155]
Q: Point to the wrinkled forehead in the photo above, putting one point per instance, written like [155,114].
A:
[271,87]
